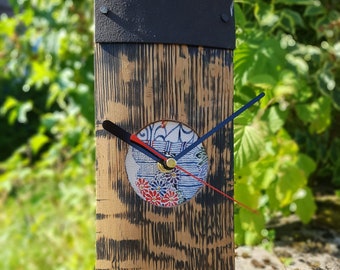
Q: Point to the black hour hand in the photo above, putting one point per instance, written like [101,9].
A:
[125,136]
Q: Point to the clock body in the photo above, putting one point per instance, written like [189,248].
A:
[188,226]
[155,183]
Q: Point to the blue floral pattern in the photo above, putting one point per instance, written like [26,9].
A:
[173,187]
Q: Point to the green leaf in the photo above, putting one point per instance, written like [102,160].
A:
[255,59]
[9,104]
[24,108]
[38,141]
[304,93]
[244,94]
[252,224]
[305,205]
[265,15]
[291,179]
[314,10]
[239,16]
[289,19]
[287,85]
[326,80]
[41,73]
[27,16]
[299,63]
[274,203]
[317,114]
[275,118]
[247,194]
[7,26]
[265,179]
[17,110]
[244,55]
[306,164]
[249,140]
[238,231]
[263,81]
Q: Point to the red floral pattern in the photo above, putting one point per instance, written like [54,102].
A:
[142,184]
[170,199]
[152,196]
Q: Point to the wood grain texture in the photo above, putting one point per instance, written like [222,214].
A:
[141,83]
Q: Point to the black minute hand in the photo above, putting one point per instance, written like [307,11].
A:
[219,126]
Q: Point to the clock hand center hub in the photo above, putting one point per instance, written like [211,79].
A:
[171,163]
[167,165]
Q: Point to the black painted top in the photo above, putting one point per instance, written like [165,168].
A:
[208,23]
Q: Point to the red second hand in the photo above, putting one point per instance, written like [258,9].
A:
[217,190]
[135,139]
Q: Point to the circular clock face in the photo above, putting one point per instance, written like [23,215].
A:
[158,184]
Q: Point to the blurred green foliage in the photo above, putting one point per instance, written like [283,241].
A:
[286,147]
[47,198]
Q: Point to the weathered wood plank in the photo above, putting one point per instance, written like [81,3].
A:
[137,84]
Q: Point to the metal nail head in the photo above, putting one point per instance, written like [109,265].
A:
[224,17]
[103,9]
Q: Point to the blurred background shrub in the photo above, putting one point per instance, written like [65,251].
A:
[47,184]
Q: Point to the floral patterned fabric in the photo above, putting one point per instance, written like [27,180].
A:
[173,187]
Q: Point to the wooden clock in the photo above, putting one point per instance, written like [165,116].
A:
[166,80]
